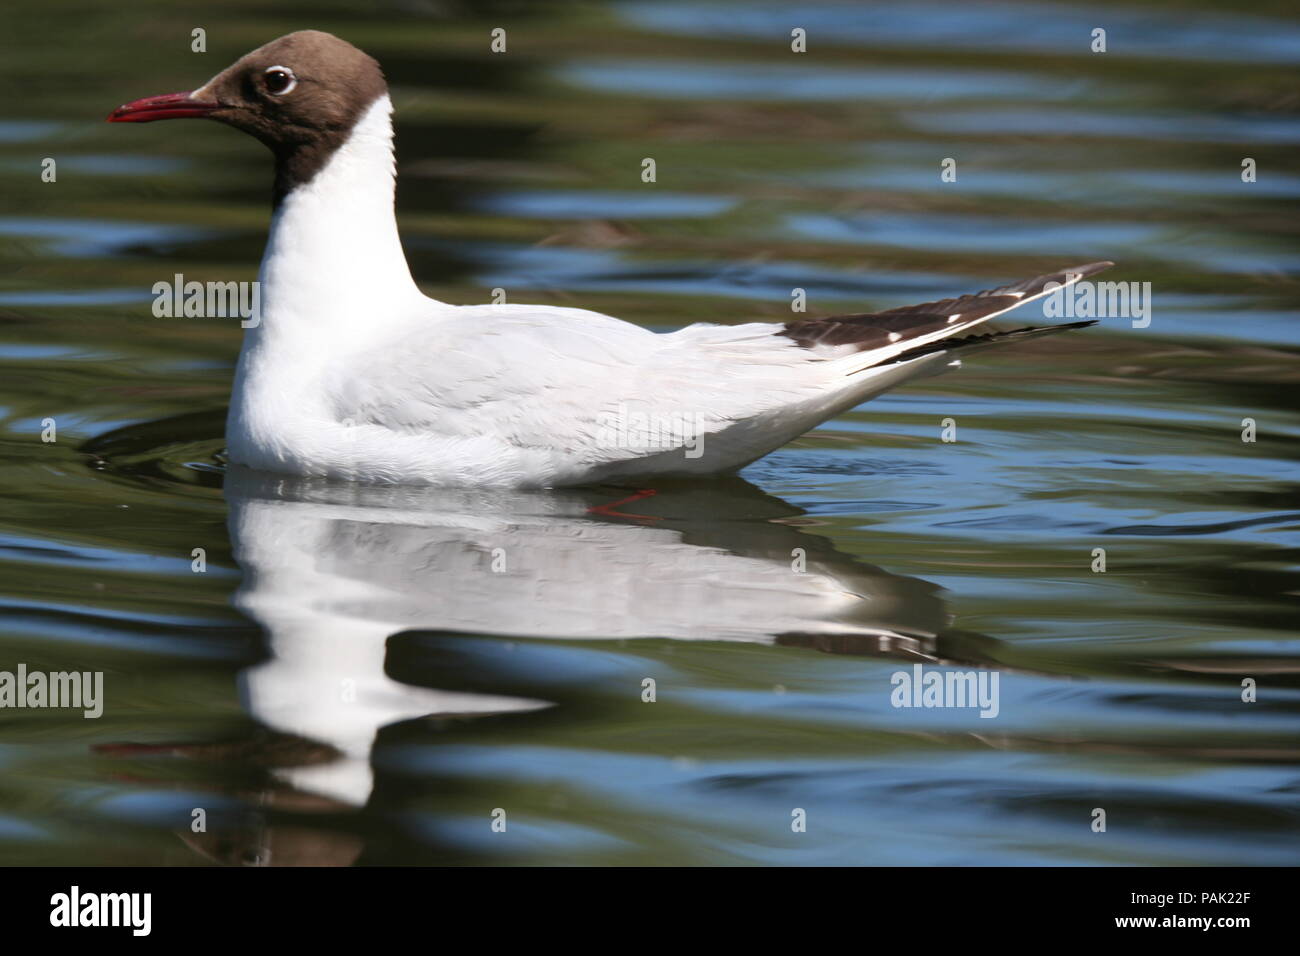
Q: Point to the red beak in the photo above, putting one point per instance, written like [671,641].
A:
[168,106]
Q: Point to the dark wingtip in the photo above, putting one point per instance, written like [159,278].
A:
[975,342]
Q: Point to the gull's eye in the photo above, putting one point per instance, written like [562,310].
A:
[279,80]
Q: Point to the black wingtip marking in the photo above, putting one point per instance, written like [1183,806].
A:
[881,329]
[988,338]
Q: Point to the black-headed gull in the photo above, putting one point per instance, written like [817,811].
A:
[354,373]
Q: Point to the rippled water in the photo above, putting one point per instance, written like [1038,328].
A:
[365,675]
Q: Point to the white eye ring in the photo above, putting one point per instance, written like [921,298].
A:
[293,80]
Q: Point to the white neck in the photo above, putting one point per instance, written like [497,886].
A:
[334,267]
[334,278]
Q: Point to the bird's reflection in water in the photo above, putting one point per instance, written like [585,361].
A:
[332,571]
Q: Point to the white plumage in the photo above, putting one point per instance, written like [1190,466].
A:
[353,373]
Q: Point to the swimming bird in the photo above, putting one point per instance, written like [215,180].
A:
[351,372]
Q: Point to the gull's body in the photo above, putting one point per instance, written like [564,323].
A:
[353,373]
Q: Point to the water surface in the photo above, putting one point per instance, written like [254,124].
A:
[365,675]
